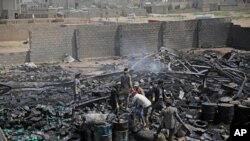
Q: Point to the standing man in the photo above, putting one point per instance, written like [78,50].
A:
[138,89]
[126,86]
[170,117]
[139,109]
[141,100]
[77,88]
[114,98]
[158,97]
[151,91]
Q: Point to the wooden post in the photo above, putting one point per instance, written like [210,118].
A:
[2,136]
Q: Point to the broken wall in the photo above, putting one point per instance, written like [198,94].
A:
[239,37]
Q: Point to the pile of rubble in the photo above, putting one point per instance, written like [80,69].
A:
[37,103]
[30,72]
[45,122]
[205,87]
[40,107]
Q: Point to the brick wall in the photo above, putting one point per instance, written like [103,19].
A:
[161,9]
[12,58]
[136,38]
[79,15]
[50,44]
[213,32]
[136,11]
[239,37]
[90,41]
[180,34]
[111,12]
[232,8]
[96,41]
[104,12]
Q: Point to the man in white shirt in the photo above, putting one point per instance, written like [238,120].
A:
[126,87]
[142,101]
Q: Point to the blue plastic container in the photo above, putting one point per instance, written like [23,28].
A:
[103,132]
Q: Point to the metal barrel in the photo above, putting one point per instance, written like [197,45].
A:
[209,111]
[103,132]
[241,115]
[120,130]
[120,135]
[225,113]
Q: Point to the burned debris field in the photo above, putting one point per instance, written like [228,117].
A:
[209,87]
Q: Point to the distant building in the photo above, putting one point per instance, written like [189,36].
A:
[209,5]
[37,11]
[10,9]
[215,5]
[165,6]
[16,9]
[66,4]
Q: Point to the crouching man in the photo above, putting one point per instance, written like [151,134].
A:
[141,100]
[169,118]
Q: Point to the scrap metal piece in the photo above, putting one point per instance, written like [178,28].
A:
[4,88]
[200,124]
[241,87]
